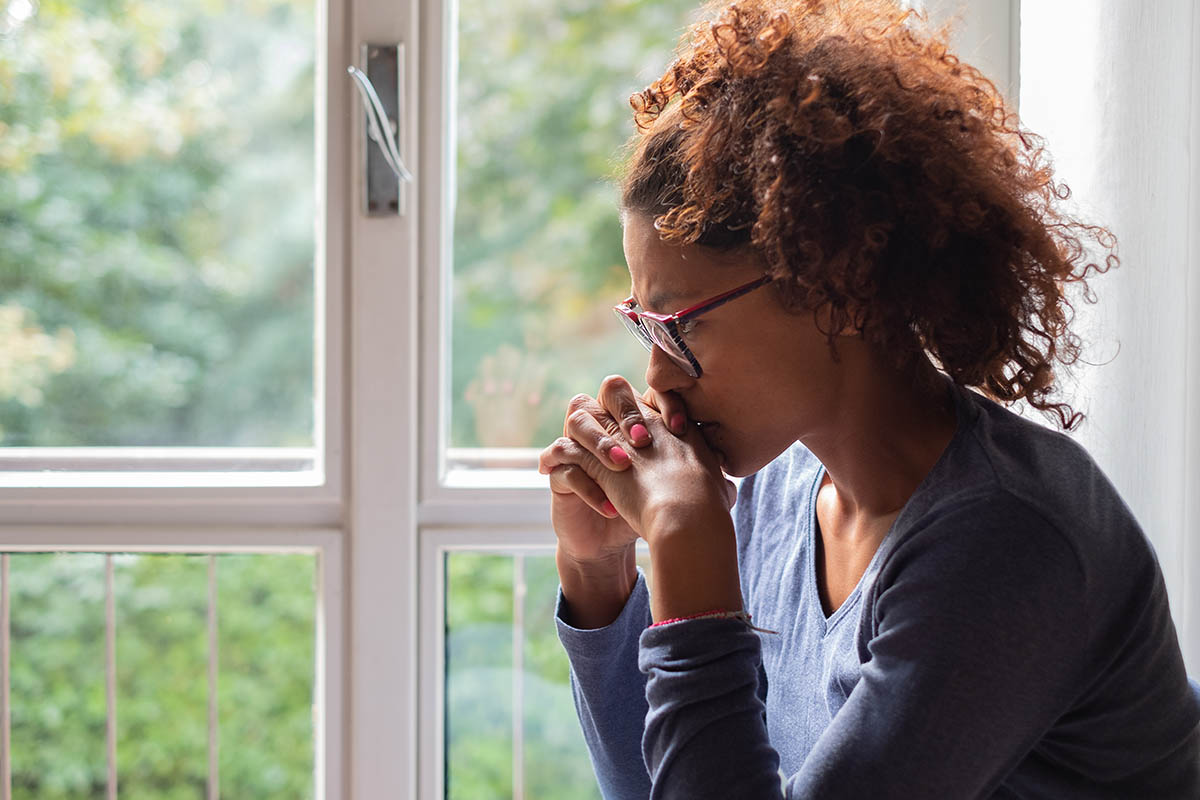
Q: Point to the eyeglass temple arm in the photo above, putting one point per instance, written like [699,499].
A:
[722,299]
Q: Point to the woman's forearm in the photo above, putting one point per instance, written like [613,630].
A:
[694,568]
[596,592]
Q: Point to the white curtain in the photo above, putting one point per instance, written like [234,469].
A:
[1114,87]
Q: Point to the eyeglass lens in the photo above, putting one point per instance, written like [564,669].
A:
[652,333]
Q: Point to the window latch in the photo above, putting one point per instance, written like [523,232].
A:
[381,87]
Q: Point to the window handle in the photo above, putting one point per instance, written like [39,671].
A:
[383,166]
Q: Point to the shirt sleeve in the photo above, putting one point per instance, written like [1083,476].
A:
[978,630]
[610,693]
[706,733]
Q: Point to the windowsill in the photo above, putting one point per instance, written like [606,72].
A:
[158,467]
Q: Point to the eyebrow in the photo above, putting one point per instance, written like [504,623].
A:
[660,299]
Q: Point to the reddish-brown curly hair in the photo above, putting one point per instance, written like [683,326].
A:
[882,180]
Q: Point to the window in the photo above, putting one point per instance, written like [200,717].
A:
[160,265]
[379,472]
[171,649]
[171,513]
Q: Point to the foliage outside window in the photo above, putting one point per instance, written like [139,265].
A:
[266,639]
[542,115]
[157,202]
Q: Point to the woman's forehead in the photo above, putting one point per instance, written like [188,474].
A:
[665,276]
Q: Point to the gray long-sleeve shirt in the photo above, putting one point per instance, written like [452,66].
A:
[1011,638]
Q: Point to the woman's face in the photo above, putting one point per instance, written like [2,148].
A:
[767,374]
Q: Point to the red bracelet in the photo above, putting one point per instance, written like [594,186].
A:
[716,613]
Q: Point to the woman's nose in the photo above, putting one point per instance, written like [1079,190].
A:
[663,374]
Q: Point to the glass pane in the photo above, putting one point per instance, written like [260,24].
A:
[267,630]
[479,676]
[157,208]
[542,113]
[266,645]
[555,760]
[161,605]
[494,601]
[57,676]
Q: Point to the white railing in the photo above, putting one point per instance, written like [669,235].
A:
[518,676]
[110,674]
[5,717]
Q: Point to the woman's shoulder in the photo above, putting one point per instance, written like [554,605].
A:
[1009,466]
[1028,506]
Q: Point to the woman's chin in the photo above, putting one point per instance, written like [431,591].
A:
[729,464]
[732,471]
[741,465]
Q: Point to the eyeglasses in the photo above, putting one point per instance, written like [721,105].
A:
[666,331]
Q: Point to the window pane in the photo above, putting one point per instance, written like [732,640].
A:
[57,676]
[542,113]
[479,677]
[502,651]
[161,605]
[266,645]
[157,208]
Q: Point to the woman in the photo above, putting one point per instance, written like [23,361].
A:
[834,229]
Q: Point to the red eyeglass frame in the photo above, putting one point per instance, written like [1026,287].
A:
[670,322]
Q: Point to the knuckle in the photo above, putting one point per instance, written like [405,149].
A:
[610,425]
[560,479]
[578,418]
[563,474]
[579,401]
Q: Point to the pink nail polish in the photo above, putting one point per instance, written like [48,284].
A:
[639,433]
[609,508]
[677,422]
[618,456]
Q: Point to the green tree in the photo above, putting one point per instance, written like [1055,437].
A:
[157,202]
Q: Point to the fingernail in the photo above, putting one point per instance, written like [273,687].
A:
[677,422]
[609,508]
[639,433]
[618,455]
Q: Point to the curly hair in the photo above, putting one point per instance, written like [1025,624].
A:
[880,178]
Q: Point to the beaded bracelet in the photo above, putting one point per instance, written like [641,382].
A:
[716,613]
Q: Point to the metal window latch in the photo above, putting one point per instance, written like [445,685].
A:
[381,87]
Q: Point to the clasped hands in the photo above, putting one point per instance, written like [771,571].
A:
[620,472]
